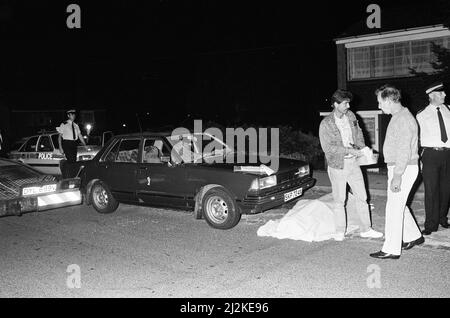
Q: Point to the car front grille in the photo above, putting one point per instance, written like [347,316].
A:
[10,187]
[284,186]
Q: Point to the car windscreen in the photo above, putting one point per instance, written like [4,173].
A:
[192,148]
[30,145]
[16,146]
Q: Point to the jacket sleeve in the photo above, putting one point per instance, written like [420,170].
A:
[359,138]
[326,138]
[403,151]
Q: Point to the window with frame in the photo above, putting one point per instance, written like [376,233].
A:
[393,59]
[55,141]
[45,144]
[30,145]
[124,151]
[154,149]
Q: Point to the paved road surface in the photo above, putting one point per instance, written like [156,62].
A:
[145,252]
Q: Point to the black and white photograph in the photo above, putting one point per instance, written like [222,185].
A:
[220,157]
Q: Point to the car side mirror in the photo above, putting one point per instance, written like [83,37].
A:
[165,159]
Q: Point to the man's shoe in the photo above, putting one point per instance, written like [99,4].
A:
[371,233]
[426,232]
[383,255]
[410,245]
[445,225]
[339,236]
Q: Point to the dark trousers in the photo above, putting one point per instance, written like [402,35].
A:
[436,178]
[70,150]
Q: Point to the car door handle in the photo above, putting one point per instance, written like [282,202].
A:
[142,168]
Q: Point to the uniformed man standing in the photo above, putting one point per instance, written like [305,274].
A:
[69,133]
[434,122]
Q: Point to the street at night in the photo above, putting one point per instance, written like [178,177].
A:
[224,157]
[148,252]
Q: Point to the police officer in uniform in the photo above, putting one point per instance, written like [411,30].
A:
[434,122]
[69,133]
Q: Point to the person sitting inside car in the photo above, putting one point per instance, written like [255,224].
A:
[151,155]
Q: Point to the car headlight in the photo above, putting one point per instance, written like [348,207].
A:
[303,171]
[263,183]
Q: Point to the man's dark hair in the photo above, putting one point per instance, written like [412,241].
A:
[389,92]
[341,95]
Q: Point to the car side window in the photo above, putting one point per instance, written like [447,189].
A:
[125,151]
[30,145]
[154,149]
[55,140]
[45,144]
[112,154]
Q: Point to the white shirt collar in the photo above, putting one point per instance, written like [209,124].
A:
[434,107]
[339,119]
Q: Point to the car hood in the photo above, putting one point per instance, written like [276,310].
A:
[285,165]
[13,177]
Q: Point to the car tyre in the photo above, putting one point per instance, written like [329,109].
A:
[219,209]
[102,199]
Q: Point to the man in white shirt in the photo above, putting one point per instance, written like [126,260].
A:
[69,133]
[434,122]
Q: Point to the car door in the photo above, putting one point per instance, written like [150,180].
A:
[47,160]
[118,168]
[159,182]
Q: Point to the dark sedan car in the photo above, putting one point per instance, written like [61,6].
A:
[24,189]
[152,169]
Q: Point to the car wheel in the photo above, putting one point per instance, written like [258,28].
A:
[219,209]
[102,199]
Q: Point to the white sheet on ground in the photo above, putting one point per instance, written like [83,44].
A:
[309,220]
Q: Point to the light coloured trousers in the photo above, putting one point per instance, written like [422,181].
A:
[339,178]
[400,224]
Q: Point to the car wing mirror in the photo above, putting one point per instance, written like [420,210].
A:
[166,159]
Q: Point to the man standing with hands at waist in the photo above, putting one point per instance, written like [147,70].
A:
[69,133]
[400,152]
[341,138]
[434,122]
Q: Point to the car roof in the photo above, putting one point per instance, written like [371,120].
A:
[44,133]
[145,134]
[150,134]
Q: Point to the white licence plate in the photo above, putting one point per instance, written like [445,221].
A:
[293,194]
[39,190]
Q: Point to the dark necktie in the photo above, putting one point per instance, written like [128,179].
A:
[444,137]
[73,130]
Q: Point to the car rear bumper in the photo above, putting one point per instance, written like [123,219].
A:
[21,205]
[260,203]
